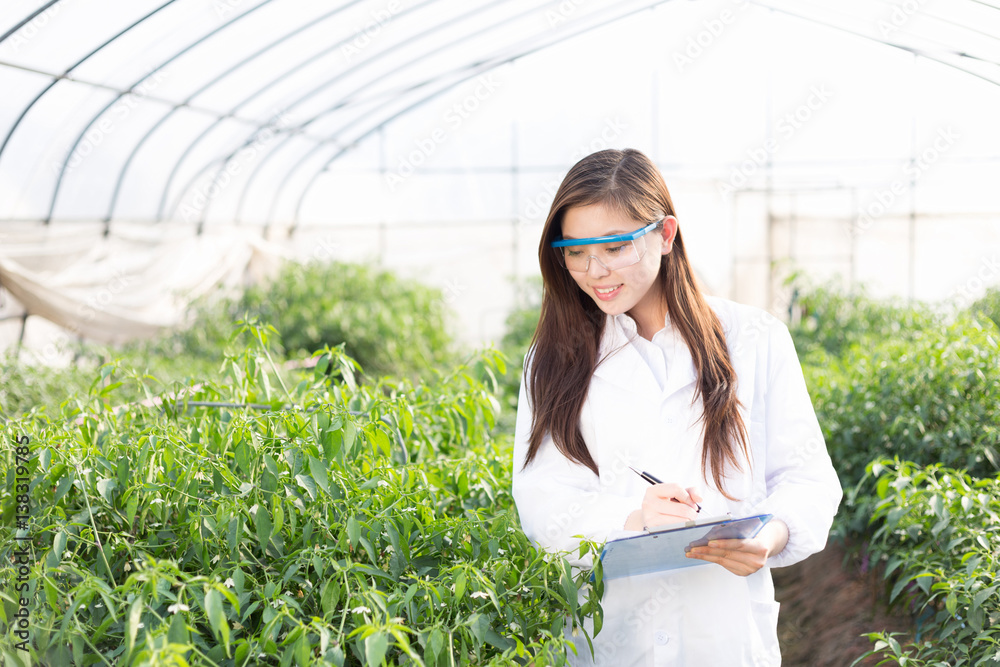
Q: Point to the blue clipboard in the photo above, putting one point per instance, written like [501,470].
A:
[664,548]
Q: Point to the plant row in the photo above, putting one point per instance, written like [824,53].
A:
[258,521]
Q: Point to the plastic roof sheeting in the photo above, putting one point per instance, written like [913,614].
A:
[142,109]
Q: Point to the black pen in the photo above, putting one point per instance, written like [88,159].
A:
[652,480]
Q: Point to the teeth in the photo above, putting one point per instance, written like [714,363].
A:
[607,290]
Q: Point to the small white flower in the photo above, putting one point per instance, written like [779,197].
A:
[215,559]
[154,501]
[361,610]
[128,567]
[174,608]
[500,552]
[141,625]
[229,583]
[382,482]
[480,594]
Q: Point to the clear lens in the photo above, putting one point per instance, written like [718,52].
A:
[612,256]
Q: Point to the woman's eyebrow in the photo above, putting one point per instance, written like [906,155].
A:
[614,232]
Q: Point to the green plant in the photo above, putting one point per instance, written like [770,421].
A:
[833,320]
[341,523]
[927,397]
[938,532]
[988,305]
[390,325]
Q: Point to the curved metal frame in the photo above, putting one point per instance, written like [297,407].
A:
[97,116]
[348,96]
[55,80]
[292,131]
[332,138]
[430,31]
[28,19]
[230,114]
[325,167]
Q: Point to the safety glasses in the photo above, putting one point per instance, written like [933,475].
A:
[612,252]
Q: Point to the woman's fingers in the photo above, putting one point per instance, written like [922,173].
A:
[741,557]
[674,492]
[658,510]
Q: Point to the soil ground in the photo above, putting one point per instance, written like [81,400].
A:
[827,603]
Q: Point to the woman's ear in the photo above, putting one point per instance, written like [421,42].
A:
[669,232]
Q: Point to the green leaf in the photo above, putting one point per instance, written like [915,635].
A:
[262,520]
[353,531]
[217,616]
[106,488]
[951,603]
[982,596]
[381,443]
[307,483]
[132,506]
[271,465]
[375,648]
[318,470]
[59,544]
[64,485]
[479,625]
[434,648]
[132,623]
[243,458]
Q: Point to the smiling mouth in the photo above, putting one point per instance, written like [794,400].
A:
[605,293]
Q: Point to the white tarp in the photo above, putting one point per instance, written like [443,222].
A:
[132,283]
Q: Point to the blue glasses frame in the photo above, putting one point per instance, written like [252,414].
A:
[631,236]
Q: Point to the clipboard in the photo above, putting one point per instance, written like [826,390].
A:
[664,548]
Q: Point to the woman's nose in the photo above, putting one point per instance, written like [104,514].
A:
[595,268]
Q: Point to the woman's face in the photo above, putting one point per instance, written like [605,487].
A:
[632,289]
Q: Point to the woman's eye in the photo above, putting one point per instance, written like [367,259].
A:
[616,249]
[573,253]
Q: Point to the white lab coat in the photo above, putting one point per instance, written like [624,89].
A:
[702,616]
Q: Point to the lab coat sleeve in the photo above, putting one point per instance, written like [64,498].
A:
[557,499]
[802,486]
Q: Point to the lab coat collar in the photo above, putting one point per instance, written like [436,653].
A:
[621,364]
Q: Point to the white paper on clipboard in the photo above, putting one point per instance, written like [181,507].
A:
[664,549]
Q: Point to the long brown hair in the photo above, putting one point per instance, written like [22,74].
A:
[567,339]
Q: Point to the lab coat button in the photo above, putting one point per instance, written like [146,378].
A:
[662,638]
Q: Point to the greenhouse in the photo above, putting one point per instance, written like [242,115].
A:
[270,270]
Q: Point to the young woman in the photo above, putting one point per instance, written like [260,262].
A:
[632,366]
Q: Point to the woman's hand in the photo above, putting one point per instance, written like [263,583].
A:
[663,504]
[744,557]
